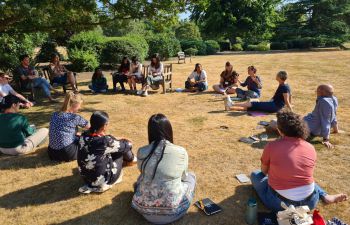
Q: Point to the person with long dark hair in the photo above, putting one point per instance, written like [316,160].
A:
[98,82]
[122,75]
[155,75]
[165,188]
[287,167]
[17,137]
[136,76]
[197,80]
[101,156]
[228,80]
[253,83]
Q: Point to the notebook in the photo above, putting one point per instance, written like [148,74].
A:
[208,206]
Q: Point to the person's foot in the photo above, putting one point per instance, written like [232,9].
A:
[86,189]
[144,94]
[132,163]
[139,92]
[52,100]
[330,199]
[103,188]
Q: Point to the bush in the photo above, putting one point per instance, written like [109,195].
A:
[142,44]
[117,47]
[260,47]
[83,60]
[11,47]
[47,49]
[191,51]
[237,47]
[212,47]
[333,42]
[225,45]
[279,46]
[87,41]
[197,44]
[165,44]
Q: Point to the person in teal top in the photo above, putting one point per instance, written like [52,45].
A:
[16,135]
[165,188]
[98,82]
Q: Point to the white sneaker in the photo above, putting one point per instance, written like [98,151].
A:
[103,188]
[86,189]
[145,94]
[119,180]
[139,92]
[228,103]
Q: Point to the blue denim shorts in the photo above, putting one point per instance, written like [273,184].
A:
[61,79]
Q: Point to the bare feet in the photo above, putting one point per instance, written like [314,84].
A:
[330,199]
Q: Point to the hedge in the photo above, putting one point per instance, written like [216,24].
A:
[87,41]
[197,44]
[212,47]
[225,45]
[279,46]
[259,47]
[83,60]
[237,47]
[165,44]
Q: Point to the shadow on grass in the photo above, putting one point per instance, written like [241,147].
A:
[47,192]
[119,212]
[201,93]
[34,160]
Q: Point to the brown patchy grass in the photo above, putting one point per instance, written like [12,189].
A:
[34,190]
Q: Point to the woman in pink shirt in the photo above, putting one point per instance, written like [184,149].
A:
[287,167]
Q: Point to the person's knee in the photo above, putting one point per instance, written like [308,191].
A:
[256,176]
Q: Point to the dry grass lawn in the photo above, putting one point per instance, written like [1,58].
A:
[34,190]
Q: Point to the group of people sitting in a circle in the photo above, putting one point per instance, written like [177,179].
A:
[165,189]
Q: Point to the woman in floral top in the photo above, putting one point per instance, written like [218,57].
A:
[164,189]
[101,156]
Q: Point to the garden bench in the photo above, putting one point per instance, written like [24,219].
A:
[47,73]
[181,57]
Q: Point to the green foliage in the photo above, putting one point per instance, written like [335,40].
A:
[87,41]
[46,50]
[259,47]
[12,46]
[191,51]
[187,31]
[166,44]
[141,44]
[279,46]
[212,47]
[237,47]
[197,44]
[225,45]
[117,47]
[83,60]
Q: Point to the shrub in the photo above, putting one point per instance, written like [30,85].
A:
[279,46]
[83,60]
[237,47]
[225,45]
[212,47]
[197,44]
[11,47]
[301,43]
[116,48]
[239,40]
[191,51]
[259,47]
[333,42]
[319,42]
[142,44]
[47,49]
[87,41]
[165,44]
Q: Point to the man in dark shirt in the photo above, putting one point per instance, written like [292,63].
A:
[29,76]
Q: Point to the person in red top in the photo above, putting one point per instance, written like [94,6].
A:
[289,163]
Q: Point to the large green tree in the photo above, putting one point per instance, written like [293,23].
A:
[252,20]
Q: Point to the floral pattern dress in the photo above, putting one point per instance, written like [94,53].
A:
[166,193]
[100,159]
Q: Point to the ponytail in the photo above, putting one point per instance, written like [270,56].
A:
[70,100]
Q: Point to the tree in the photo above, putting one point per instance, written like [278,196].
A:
[188,31]
[251,20]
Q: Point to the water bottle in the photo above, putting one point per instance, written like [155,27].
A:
[251,214]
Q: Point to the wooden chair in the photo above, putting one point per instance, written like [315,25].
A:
[46,71]
[167,76]
[144,73]
[15,82]
[181,57]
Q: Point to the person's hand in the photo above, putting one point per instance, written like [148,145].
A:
[1,94]
[254,79]
[327,144]
[30,104]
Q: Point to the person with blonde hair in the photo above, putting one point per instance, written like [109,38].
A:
[17,137]
[281,98]
[63,140]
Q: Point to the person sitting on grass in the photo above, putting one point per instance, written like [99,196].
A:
[197,80]
[122,75]
[324,116]
[101,156]
[6,89]
[228,80]
[60,74]
[136,76]
[29,78]
[287,167]
[98,82]
[165,188]
[155,75]
[253,83]
[63,139]
[17,137]
[281,98]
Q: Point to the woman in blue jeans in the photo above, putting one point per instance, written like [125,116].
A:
[287,167]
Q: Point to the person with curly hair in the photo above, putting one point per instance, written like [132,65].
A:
[287,167]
